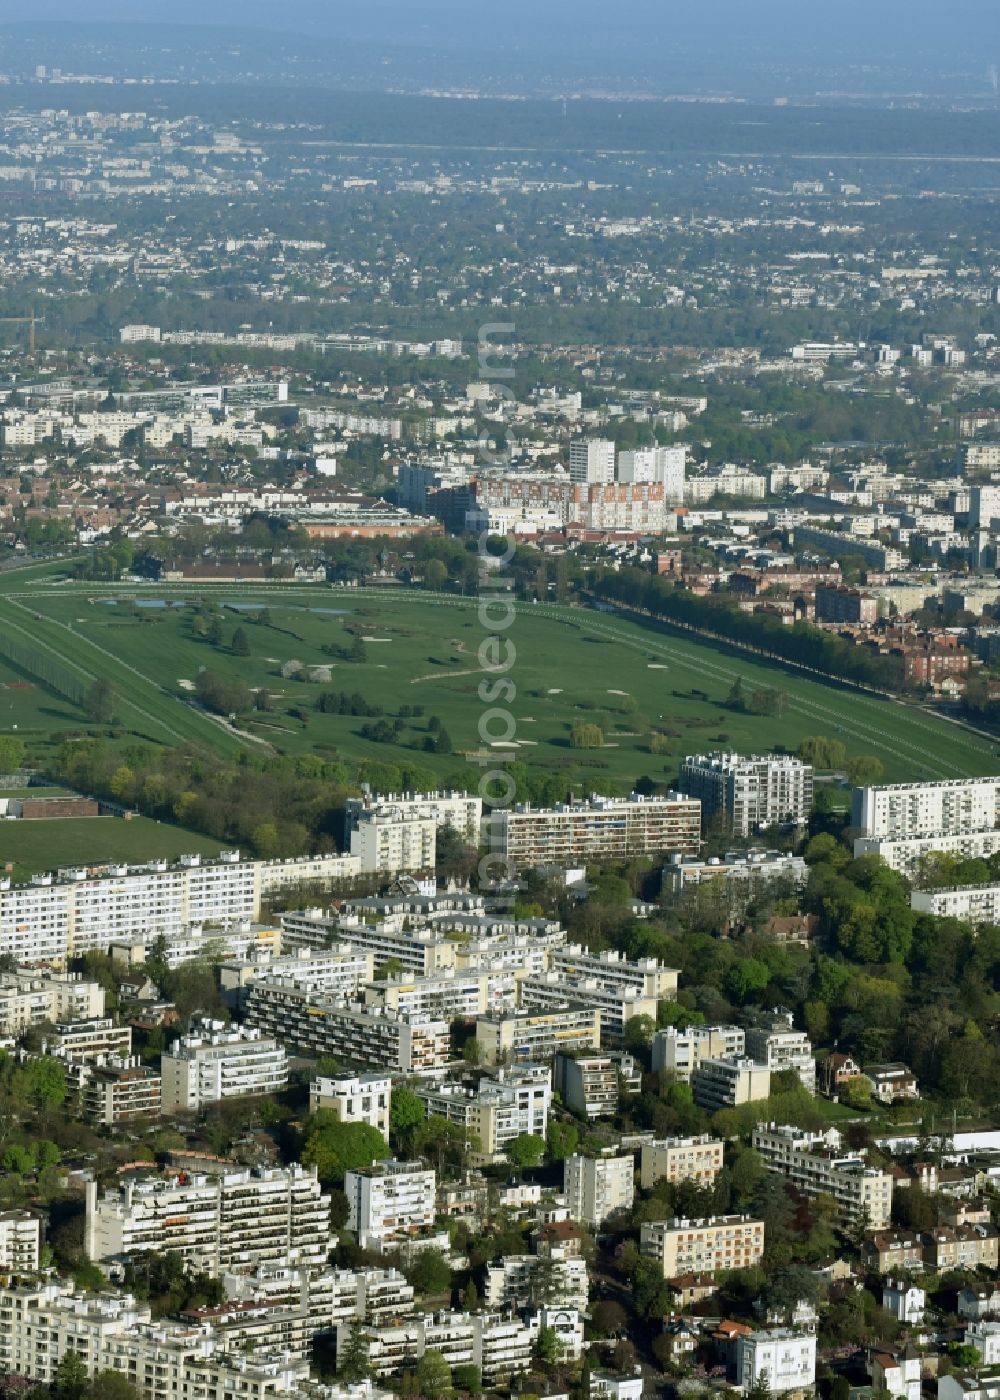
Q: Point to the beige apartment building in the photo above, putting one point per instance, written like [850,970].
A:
[601,828]
[708,1246]
[522,1036]
[680,1159]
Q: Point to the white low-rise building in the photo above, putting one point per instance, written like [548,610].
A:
[777,1357]
[354,1098]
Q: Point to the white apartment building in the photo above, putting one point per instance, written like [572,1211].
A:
[215,1063]
[719,1084]
[664,465]
[339,970]
[462,811]
[781,1047]
[420,949]
[749,791]
[591,1084]
[387,842]
[79,1041]
[355,1098]
[906,853]
[450,994]
[496,1110]
[54,917]
[778,1358]
[518,1280]
[616,1004]
[231,1221]
[592,462]
[862,1193]
[954,807]
[33,999]
[708,1246]
[389,1201]
[976,904]
[680,1159]
[20,1242]
[356,1034]
[741,871]
[599,829]
[647,976]
[679,1053]
[598,1187]
[112,1332]
[500,1346]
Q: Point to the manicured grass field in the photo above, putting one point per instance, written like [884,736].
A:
[44,845]
[29,709]
[571,665]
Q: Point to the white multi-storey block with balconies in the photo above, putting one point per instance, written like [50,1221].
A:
[20,1242]
[33,999]
[599,828]
[779,1046]
[952,807]
[518,1280]
[230,1220]
[616,1004]
[388,842]
[597,1187]
[749,792]
[215,1062]
[679,1052]
[56,916]
[646,976]
[462,811]
[47,1319]
[498,1108]
[356,1034]
[815,1165]
[388,1201]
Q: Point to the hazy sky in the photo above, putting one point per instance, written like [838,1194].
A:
[864,28]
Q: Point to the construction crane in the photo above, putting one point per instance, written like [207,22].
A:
[30,321]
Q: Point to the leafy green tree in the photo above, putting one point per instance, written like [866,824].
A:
[435,575]
[354,1365]
[46,1081]
[865,770]
[69,1381]
[526,1150]
[334,1148]
[430,1273]
[586,736]
[240,643]
[637,1034]
[468,1378]
[561,1139]
[650,1293]
[406,1113]
[433,1376]
[100,702]
[548,1347]
[747,976]
[13,752]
